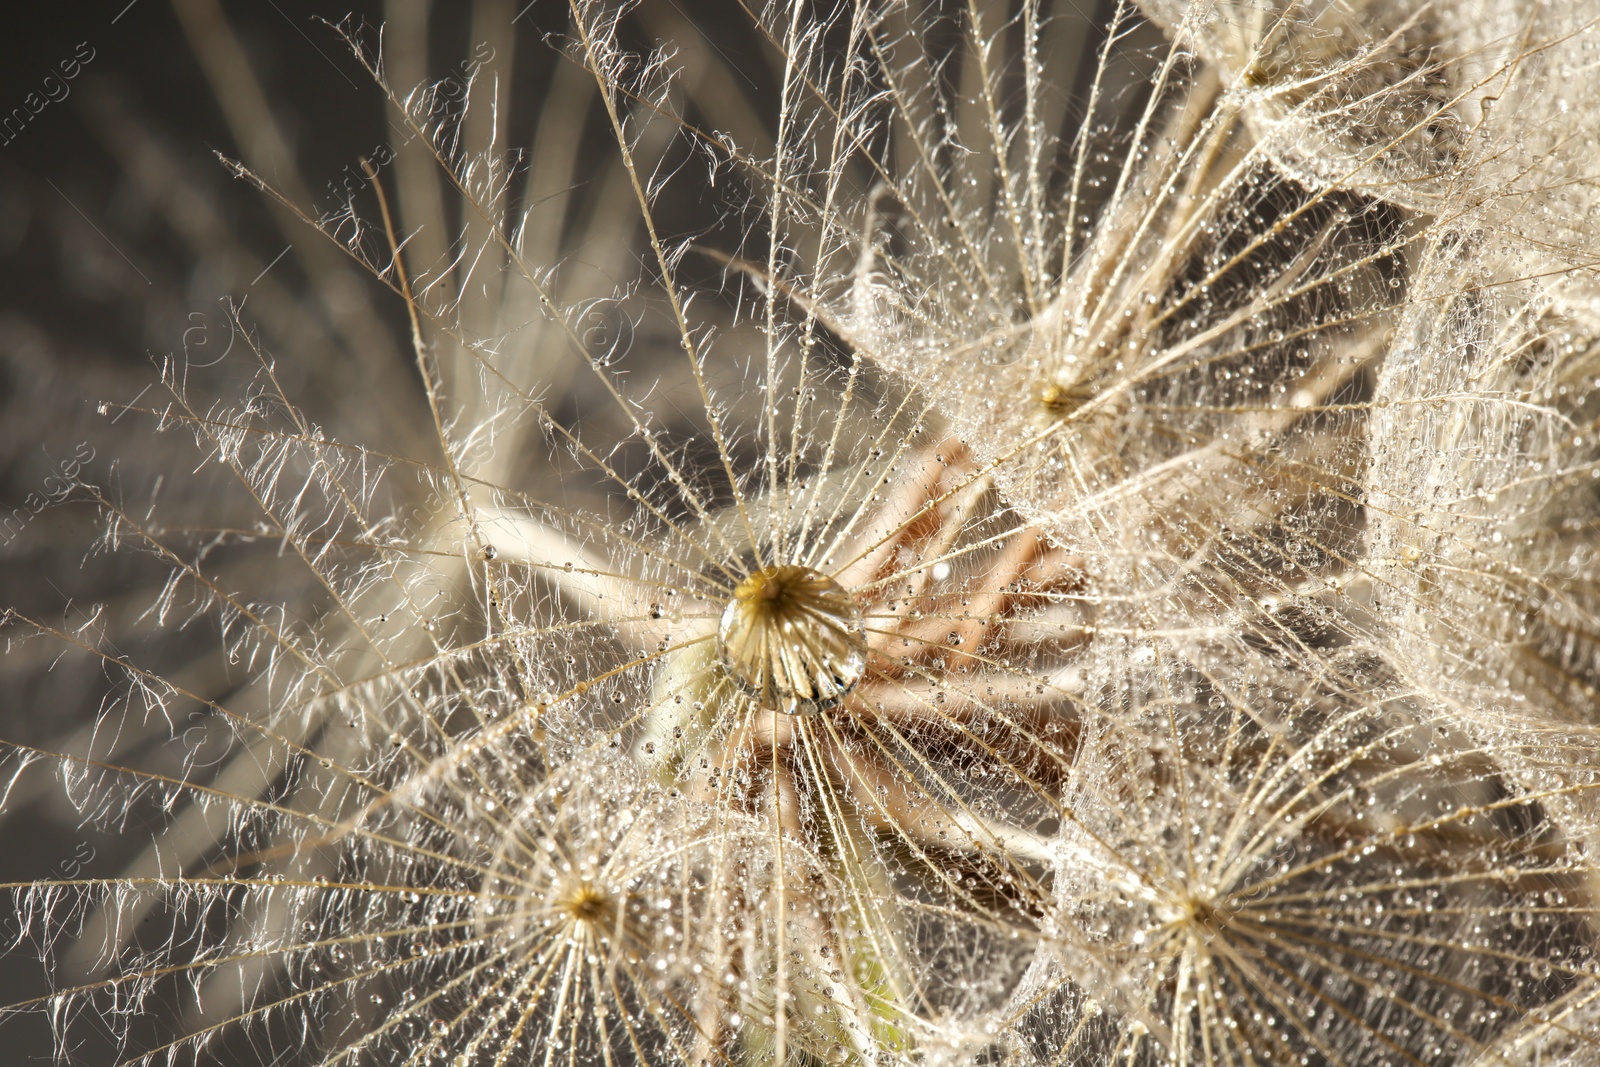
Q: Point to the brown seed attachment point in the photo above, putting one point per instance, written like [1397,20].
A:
[1063,400]
[586,904]
[794,638]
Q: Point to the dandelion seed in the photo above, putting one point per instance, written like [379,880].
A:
[1082,558]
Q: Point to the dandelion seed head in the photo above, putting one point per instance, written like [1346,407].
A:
[1118,591]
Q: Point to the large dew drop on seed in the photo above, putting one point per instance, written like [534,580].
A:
[794,638]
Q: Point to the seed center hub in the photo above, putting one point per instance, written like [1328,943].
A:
[794,638]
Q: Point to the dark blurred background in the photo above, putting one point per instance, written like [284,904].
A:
[59,171]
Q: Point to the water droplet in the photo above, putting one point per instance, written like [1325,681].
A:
[793,638]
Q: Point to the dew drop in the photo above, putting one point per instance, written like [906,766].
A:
[794,638]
